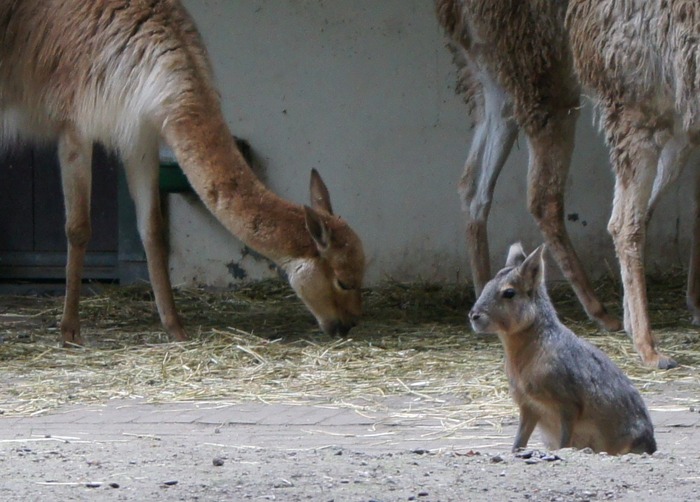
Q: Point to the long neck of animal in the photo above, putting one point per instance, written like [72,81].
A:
[215,168]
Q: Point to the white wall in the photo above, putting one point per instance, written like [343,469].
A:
[364,91]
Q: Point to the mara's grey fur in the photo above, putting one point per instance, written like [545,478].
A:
[642,60]
[561,383]
[127,73]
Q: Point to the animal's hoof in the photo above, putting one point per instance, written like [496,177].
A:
[71,338]
[609,323]
[659,361]
[666,363]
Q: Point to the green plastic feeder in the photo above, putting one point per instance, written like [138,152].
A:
[172,179]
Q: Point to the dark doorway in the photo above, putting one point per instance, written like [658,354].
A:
[32,217]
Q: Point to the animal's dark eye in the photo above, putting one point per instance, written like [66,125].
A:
[342,285]
[508,293]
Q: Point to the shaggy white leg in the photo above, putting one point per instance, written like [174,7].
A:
[635,158]
[493,139]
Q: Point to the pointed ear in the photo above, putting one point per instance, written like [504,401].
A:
[320,199]
[318,229]
[532,269]
[516,255]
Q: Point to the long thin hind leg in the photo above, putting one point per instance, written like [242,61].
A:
[494,135]
[141,164]
[693,288]
[635,157]
[674,157]
[75,157]
[550,156]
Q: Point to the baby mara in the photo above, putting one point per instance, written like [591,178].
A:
[561,383]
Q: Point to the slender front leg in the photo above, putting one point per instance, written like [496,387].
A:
[493,139]
[674,157]
[693,291]
[550,155]
[635,158]
[528,421]
[75,158]
[141,166]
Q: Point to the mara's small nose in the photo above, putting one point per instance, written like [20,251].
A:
[473,315]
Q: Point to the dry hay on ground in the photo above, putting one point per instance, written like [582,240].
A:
[258,343]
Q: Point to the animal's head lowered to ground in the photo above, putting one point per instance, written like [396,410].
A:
[329,280]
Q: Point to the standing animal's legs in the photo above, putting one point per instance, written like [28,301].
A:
[550,155]
[75,158]
[693,289]
[493,139]
[141,164]
[635,157]
[673,158]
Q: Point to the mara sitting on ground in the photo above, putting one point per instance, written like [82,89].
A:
[570,389]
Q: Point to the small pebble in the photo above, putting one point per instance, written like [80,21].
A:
[114,485]
[550,457]
[93,485]
[170,483]
[218,461]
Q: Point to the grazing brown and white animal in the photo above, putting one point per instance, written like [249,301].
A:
[561,383]
[127,73]
[514,76]
[642,59]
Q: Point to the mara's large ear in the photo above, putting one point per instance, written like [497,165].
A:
[516,255]
[318,229]
[532,269]
[320,199]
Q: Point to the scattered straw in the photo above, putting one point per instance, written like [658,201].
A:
[259,343]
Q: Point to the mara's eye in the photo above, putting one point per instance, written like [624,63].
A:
[342,285]
[508,293]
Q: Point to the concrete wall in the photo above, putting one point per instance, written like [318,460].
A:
[364,92]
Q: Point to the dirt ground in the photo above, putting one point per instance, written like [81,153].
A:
[125,444]
[214,451]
